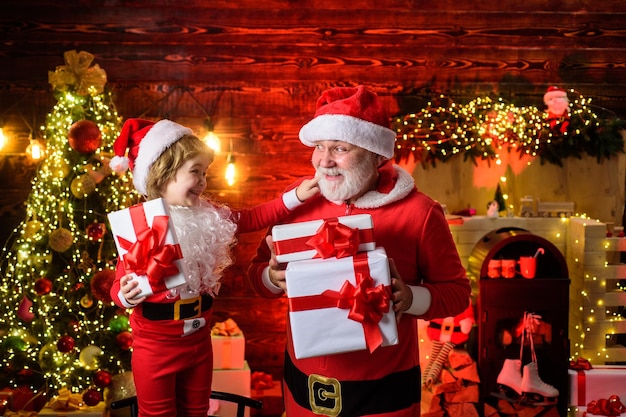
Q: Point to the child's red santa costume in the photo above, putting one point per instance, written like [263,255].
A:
[172,360]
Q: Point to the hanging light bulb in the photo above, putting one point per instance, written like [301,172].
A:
[35,149]
[230,170]
[211,138]
[3,139]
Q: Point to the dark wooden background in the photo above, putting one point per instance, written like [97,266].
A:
[257,67]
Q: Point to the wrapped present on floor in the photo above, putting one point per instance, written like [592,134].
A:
[234,381]
[335,237]
[147,242]
[229,345]
[600,381]
[353,293]
[269,392]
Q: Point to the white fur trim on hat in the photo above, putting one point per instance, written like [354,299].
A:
[160,137]
[364,134]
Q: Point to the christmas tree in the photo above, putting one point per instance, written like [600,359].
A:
[59,329]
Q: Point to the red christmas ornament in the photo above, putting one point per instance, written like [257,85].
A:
[95,231]
[124,340]
[43,286]
[23,311]
[91,397]
[66,344]
[102,379]
[84,136]
[101,284]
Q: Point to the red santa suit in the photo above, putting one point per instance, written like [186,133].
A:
[386,383]
[171,336]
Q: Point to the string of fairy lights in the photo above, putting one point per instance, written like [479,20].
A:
[56,230]
[485,127]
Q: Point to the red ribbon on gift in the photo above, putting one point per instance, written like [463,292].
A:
[367,304]
[580,364]
[332,238]
[335,239]
[612,407]
[149,255]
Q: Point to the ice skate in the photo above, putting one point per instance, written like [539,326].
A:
[510,379]
[534,390]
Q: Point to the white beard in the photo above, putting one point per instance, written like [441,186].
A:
[354,179]
[206,235]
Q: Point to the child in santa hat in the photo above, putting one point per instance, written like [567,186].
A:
[172,358]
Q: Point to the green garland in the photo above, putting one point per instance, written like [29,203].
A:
[484,127]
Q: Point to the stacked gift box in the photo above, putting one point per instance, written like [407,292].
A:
[597,297]
[327,260]
[231,372]
[594,384]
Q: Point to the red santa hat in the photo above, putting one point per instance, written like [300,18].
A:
[354,115]
[140,144]
[552,92]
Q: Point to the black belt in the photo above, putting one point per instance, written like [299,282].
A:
[438,326]
[393,392]
[180,310]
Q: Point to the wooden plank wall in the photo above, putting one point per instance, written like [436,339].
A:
[257,67]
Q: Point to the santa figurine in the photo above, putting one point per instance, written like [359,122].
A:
[557,102]
[446,334]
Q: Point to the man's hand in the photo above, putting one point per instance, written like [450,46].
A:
[276,270]
[402,296]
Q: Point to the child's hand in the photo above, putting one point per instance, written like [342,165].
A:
[129,289]
[307,189]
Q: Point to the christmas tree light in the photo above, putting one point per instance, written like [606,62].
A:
[58,326]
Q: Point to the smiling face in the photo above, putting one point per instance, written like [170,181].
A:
[179,174]
[189,182]
[346,171]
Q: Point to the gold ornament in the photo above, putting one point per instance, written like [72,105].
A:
[86,301]
[82,186]
[57,166]
[31,228]
[89,357]
[60,240]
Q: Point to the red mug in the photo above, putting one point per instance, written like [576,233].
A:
[493,268]
[508,268]
[528,266]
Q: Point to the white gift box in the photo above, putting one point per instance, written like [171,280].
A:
[228,351]
[235,381]
[147,230]
[290,240]
[312,307]
[597,383]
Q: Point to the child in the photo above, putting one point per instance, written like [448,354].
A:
[172,360]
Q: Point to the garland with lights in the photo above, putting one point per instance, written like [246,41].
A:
[484,127]
[60,333]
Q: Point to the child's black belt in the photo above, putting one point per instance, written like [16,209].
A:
[182,309]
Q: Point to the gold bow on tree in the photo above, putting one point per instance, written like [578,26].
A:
[78,75]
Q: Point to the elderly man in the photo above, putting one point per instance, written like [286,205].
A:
[352,147]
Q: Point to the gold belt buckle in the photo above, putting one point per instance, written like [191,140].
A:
[197,309]
[324,395]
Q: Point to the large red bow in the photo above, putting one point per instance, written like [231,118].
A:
[335,239]
[149,255]
[367,304]
[580,364]
[612,407]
